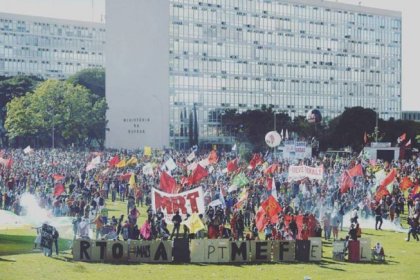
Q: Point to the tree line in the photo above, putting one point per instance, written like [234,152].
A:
[58,113]
[345,130]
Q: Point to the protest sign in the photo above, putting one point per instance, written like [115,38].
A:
[190,202]
[303,171]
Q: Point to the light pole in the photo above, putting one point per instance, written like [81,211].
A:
[275,120]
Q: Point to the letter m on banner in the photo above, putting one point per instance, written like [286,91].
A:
[190,202]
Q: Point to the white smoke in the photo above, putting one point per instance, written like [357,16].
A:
[33,214]
[369,223]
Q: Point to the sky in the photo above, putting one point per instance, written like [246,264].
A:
[84,10]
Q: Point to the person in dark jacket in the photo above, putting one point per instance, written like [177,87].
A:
[176,219]
[55,237]
[293,227]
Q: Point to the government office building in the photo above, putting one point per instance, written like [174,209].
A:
[170,59]
[49,48]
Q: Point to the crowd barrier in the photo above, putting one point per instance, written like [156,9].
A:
[213,251]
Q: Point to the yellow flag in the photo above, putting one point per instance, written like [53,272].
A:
[132,181]
[147,151]
[194,223]
[121,164]
[132,161]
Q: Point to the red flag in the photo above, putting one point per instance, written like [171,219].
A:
[9,163]
[114,161]
[356,171]
[415,190]
[272,208]
[167,183]
[184,180]
[365,139]
[125,177]
[269,182]
[256,159]
[380,192]
[261,219]
[402,138]
[271,169]
[58,177]
[58,189]
[405,183]
[389,178]
[232,165]
[346,182]
[213,157]
[198,174]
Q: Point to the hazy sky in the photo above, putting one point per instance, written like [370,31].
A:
[82,10]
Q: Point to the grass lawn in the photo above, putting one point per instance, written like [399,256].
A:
[18,261]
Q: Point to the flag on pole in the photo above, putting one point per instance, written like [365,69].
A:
[346,182]
[271,169]
[240,180]
[58,190]
[170,164]
[389,179]
[198,174]
[28,150]
[408,144]
[212,158]
[132,161]
[234,147]
[242,198]
[167,183]
[272,208]
[256,160]
[121,164]
[232,165]
[287,135]
[147,151]
[114,161]
[132,181]
[282,134]
[356,171]
[191,156]
[93,163]
[148,169]
[402,138]
[365,138]
[57,177]
[194,223]
[270,183]
[406,183]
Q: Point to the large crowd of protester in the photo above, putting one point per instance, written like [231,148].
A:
[63,182]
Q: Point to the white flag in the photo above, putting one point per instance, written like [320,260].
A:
[234,147]
[287,135]
[28,150]
[204,163]
[170,164]
[192,166]
[148,169]
[281,134]
[191,156]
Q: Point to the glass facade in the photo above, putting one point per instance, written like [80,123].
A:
[294,55]
[48,47]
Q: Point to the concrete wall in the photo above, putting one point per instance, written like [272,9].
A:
[137,73]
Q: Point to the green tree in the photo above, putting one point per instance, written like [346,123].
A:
[11,87]
[55,108]
[92,78]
